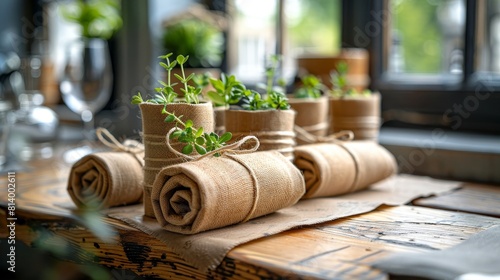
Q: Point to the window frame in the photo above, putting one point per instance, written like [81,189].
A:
[471,103]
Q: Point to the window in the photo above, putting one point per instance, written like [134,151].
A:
[289,27]
[435,62]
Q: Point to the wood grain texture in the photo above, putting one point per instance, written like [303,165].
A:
[341,249]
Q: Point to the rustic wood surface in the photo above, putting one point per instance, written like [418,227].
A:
[341,249]
[471,198]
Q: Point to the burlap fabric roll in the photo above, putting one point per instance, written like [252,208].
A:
[335,169]
[312,116]
[107,179]
[359,114]
[273,128]
[154,129]
[213,192]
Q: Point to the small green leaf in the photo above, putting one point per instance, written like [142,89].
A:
[225,137]
[179,77]
[200,149]
[188,149]
[164,65]
[189,123]
[199,132]
[170,118]
[189,77]
[200,140]
[181,59]
[175,134]
[216,98]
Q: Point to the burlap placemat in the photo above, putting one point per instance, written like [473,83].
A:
[480,254]
[207,249]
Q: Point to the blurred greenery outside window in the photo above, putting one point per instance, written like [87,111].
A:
[289,27]
[428,36]
[437,63]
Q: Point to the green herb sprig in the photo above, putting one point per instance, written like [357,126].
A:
[195,138]
[311,87]
[275,98]
[340,85]
[166,94]
[191,93]
[228,90]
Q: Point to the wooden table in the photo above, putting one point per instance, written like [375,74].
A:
[339,249]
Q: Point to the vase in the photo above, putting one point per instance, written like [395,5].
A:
[154,130]
[360,114]
[273,128]
[312,116]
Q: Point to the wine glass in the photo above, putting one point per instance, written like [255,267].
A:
[87,80]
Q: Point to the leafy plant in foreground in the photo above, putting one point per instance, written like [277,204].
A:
[195,138]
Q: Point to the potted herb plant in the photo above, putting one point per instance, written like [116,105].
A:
[311,107]
[268,117]
[350,109]
[226,91]
[154,128]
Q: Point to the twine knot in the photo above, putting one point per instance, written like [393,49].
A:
[337,137]
[128,146]
[234,148]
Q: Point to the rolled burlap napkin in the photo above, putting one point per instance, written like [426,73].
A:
[107,179]
[332,169]
[213,192]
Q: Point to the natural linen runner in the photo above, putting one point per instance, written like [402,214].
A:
[206,250]
[343,167]
[214,192]
[106,179]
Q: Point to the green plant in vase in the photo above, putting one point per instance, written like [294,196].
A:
[308,98]
[350,109]
[311,87]
[154,128]
[340,85]
[266,116]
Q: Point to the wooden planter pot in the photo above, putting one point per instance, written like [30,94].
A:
[360,114]
[154,131]
[273,128]
[312,115]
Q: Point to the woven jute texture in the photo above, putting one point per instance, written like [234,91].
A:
[361,115]
[273,128]
[214,192]
[335,169]
[154,131]
[312,115]
[106,179]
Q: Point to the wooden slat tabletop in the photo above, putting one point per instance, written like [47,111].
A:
[472,198]
[340,249]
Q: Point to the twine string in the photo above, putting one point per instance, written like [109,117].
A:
[337,137]
[132,147]
[234,148]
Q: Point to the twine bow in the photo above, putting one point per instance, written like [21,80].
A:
[337,137]
[235,148]
[129,146]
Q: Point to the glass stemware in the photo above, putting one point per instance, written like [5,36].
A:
[87,80]
[86,83]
